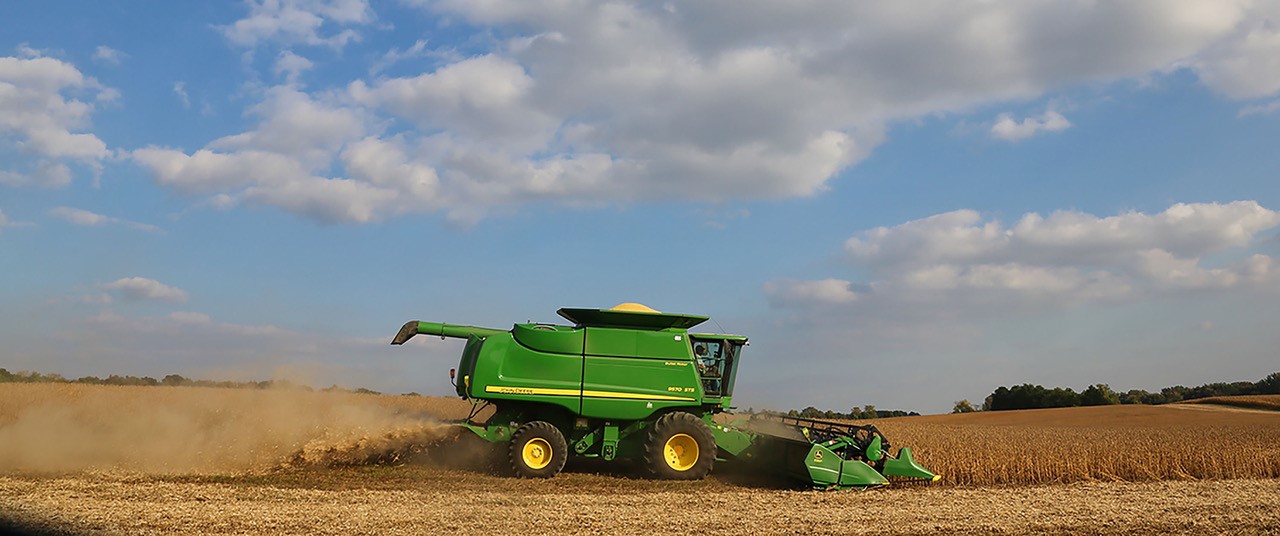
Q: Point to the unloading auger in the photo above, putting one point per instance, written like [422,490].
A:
[632,383]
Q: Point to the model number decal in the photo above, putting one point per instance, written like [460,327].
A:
[677,389]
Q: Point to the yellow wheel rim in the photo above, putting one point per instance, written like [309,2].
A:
[681,452]
[536,453]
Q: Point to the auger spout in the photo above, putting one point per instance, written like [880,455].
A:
[415,327]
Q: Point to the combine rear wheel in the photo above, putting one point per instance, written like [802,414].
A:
[680,446]
[538,450]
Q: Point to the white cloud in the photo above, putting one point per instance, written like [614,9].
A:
[291,66]
[141,288]
[180,89]
[1008,129]
[37,116]
[1260,109]
[786,292]
[620,102]
[1068,253]
[44,172]
[26,51]
[106,54]
[295,125]
[90,219]
[300,22]
[418,50]
[478,98]
[283,163]
[1246,64]
[1064,237]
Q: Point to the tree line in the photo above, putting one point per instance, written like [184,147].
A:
[1029,396]
[865,412]
[172,380]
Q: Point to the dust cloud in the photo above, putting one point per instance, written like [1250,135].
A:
[174,430]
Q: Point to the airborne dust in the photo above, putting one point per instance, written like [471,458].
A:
[170,430]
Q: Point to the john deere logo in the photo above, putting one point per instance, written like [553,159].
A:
[817,457]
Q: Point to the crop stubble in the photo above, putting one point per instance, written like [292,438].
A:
[1110,469]
[473,504]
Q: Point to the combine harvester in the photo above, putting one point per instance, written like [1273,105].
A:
[633,383]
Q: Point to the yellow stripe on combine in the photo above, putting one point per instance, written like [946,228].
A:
[612,394]
[531,391]
[575,392]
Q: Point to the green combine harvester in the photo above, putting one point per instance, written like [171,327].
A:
[633,383]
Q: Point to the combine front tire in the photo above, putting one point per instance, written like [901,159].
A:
[538,450]
[680,446]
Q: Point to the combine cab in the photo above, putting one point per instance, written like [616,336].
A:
[633,383]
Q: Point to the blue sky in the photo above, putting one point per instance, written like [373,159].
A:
[901,204]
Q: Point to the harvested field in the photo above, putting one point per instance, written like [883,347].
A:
[414,500]
[155,460]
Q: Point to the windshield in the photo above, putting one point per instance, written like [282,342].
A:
[714,359]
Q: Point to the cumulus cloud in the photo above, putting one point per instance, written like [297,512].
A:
[90,219]
[1008,129]
[285,161]
[717,101]
[38,115]
[1068,251]
[142,288]
[309,22]
[1247,64]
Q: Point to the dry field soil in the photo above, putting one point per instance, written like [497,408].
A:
[109,460]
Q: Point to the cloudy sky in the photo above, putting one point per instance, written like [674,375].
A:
[902,204]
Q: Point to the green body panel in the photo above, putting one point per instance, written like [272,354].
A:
[825,468]
[551,339]
[634,343]
[507,371]
[635,388]
[731,440]
[905,466]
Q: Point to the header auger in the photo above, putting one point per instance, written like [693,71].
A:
[633,383]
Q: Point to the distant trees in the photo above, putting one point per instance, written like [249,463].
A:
[865,412]
[1029,396]
[1270,385]
[171,380]
[1099,395]
[963,406]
